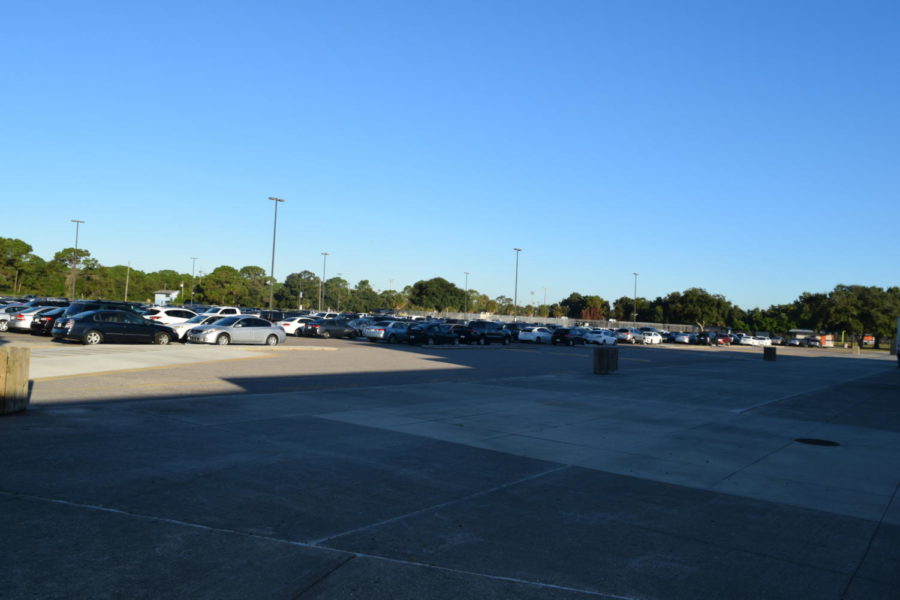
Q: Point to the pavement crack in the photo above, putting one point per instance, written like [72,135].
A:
[324,576]
[875,531]
[439,506]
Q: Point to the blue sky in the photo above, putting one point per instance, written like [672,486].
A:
[750,148]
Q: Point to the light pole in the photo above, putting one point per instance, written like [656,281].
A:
[532,303]
[75,262]
[277,201]
[467,293]
[322,283]
[193,270]
[516,289]
[634,312]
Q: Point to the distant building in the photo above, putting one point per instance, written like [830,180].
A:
[163,297]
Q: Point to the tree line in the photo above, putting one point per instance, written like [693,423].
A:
[853,309]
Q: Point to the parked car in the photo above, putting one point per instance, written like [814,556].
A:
[430,334]
[489,331]
[42,324]
[98,326]
[222,311]
[181,329]
[537,335]
[651,337]
[328,328]
[87,305]
[360,323]
[21,321]
[601,337]
[168,316]
[569,336]
[238,330]
[6,313]
[761,340]
[682,337]
[721,339]
[391,332]
[295,325]
[795,342]
[625,335]
[777,340]
[813,342]
[466,334]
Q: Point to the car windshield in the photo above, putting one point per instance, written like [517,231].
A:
[227,321]
[152,311]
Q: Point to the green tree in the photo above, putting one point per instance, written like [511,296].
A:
[436,294]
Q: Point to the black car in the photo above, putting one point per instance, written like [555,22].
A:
[327,328]
[435,333]
[42,324]
[489,331]
[98,326]
[466,334]
[569,336]
[85,305]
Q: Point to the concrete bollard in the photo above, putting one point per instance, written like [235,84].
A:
[14,364]
[769,353]
[606,360]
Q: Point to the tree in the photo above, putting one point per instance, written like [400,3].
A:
[436,294]
[14,254]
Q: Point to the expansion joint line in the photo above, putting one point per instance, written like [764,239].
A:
[875,531]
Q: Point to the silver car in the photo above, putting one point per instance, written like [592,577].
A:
[244,329]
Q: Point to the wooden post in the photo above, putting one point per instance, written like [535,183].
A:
[606,360]
[14,364]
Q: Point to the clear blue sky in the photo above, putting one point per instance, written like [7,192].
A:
[750,148]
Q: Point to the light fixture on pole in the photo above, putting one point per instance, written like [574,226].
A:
[75,261]
[277,201]
[322,282]
[516,289]
[193,270]
[467,294]
[634,312]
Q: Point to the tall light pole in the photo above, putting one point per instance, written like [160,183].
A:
[75,263]
[634,312]
[467,293]
[516,289]
[277,201]
[322,283]
[193,270]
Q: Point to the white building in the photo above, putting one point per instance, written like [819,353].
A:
[163,297]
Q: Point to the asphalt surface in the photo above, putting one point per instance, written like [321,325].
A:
[342,469]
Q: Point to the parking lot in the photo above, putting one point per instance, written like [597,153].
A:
[346,469]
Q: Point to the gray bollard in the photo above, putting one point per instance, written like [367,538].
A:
[769,353]
[606,360]
[14,363]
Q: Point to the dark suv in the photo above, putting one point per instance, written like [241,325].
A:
[85,305]
[488,331]
[569,336]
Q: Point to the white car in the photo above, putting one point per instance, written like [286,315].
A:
[744,340]
[168,316]
[652,337]
[761,340]
[182,328]
[222,311]
[294,325]
[537,335]
[682,338]
[21,321]
[601,337]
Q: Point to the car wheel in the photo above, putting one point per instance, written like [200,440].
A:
[92,337]
[325,334]
[223,340]
[571,342]
[430,341]
[272,340]
[538,340]
[506,341]
[161,338]
[4,325]
[298,332]
[392,339]
[456,341]
[482,341]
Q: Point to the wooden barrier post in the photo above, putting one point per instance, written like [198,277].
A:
[14,364]
[606,360]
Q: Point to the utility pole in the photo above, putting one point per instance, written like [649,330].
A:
[467,294]
[322,282]
[634,312]
[277,201]
[127,277]
[516,290]
[193,270]
[75,263]
[339,293]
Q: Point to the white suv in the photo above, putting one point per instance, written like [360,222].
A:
[168,316]
[222,311]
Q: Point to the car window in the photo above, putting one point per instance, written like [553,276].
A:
[151,312]
[227,321]
[133,319]
[260,323]
[229,311]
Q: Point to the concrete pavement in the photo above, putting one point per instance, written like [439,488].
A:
[667,480]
